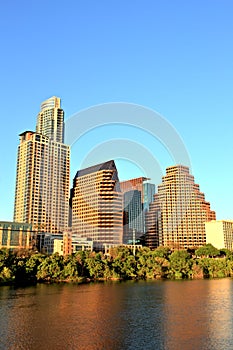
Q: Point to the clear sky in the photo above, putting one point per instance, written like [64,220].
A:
[172,56]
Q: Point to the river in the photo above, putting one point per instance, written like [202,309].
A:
[169,315]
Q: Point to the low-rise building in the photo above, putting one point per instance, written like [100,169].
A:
[14,235]
[220,233]
[71,243]
[45,242]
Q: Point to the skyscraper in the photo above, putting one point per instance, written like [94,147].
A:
[148,195]
[137,195]
[96,202]
[133,218]
[179,212]
[50,120]
[153,224]
[43,167]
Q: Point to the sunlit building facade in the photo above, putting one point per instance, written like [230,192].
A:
[96,203]
[71,244]
[220,233]
[180,211]
[50,120]
[42,178]
[15,236]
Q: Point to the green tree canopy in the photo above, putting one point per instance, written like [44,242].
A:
[180,264]
[207,250]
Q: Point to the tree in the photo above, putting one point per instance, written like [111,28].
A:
[7,265]
[215,268]
[123,263]
[71,268]
[51,268]
[162,252]
[6,258]
[227,253]
[95,265]
[180,265]
[207,250]
[151,264]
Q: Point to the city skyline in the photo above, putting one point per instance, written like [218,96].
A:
[54,131]
[175,58]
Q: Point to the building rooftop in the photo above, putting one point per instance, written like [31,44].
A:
[109,165]
[25,132]
[136,179]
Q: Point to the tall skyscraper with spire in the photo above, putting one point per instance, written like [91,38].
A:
[43,169]
[178,214]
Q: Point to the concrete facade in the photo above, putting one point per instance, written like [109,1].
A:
[43,170]
[220,233]
[178,214]
[96,203]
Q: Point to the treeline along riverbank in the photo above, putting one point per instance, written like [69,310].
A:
[27,267]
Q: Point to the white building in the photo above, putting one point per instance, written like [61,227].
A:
[220,233]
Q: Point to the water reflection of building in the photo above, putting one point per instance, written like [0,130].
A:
[169,315]
[198,314]
[185,315]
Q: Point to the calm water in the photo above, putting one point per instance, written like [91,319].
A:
[145,315]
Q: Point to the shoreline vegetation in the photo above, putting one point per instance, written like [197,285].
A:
[25,267]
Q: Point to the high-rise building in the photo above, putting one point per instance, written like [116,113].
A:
[133,218]
[148,195]
[220,233]
[50,120]
[42,178]
[96,203]
[180,212]
[137,195]
[153,224]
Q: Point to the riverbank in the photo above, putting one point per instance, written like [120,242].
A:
[121,264]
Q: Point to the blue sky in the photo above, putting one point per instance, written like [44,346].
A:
[175,57]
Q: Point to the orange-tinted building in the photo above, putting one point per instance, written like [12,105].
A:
[43,171]
[179,212]
[133,184]
[96,202]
